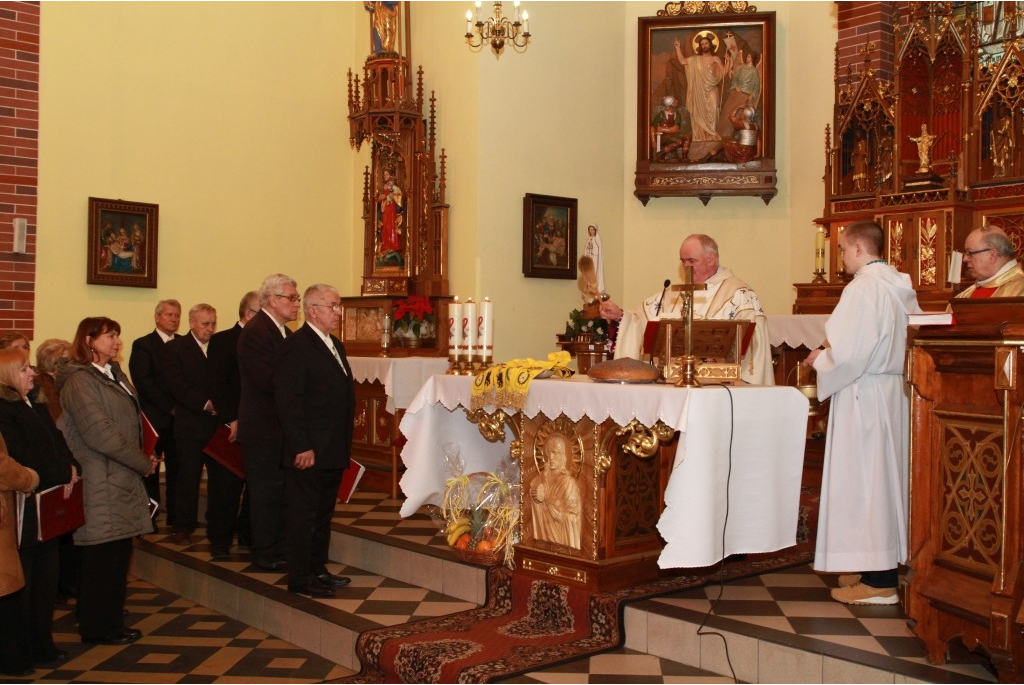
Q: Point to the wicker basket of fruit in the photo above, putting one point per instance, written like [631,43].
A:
[479,517]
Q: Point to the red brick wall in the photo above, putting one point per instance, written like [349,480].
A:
[19,157]
[866,22]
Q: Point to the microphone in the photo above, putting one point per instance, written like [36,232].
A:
[657,307]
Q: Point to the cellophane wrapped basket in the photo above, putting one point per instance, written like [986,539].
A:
[480,516]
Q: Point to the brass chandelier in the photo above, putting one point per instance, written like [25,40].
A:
[498,29]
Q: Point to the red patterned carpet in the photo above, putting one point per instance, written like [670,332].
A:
[526,624]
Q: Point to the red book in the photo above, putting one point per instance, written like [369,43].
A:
[149,436]
[57,515]
[350,479]
[226,453]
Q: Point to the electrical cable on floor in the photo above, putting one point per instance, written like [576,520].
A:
[725,524]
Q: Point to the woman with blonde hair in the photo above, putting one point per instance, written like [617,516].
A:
[103,426]
[47,354]
[33,441]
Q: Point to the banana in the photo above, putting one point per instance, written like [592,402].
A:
[457,532]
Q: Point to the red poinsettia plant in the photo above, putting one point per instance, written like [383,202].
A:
[412,313]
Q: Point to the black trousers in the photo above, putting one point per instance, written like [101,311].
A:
[41,565]
[190,459]
[310,496]
[223,493]
[103,587]
[264,479]
[166,447]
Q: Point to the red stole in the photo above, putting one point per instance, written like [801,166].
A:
[983,292]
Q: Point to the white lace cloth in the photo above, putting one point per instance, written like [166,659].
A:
[767,455]
[402,377]
[797,329]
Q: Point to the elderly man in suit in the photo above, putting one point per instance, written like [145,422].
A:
[146,367]
[259,430]
[225,389]
[186,371]
[316,402]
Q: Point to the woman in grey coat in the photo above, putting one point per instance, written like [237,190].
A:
[103,427]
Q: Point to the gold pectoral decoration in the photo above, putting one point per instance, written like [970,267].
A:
[644,442]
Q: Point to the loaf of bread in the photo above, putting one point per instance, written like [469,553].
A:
[628,370]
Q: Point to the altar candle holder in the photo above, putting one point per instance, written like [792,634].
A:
[385,337]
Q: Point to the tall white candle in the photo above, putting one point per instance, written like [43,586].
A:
[486,333]
[454,328]
[469,343]
[819,249]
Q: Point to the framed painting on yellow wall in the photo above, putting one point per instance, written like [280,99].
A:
[122,243]
[549,236]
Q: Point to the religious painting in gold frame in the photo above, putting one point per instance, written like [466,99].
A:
[122,247]
[706,102]
[549,236]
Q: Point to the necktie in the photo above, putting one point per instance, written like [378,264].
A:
[337,356]
[284,333]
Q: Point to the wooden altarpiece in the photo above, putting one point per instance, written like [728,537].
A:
[405,248]
[954,71]
[966,581]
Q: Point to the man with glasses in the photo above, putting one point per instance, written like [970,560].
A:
[989,256]
[259,430]
[316,403]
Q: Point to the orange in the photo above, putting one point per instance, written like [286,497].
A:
[484,546]
[462,542]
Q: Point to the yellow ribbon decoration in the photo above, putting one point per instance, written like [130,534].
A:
[506,385]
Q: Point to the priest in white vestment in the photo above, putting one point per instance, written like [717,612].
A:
[862,520]
[726,297]
[990,259]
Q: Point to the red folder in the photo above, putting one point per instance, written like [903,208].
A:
[149,436]
[350,479]
[226,453]
[57,515]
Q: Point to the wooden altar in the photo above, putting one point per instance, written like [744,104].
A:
[618,481]
[966,517]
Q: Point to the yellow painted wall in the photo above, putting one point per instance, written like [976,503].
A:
[232,117]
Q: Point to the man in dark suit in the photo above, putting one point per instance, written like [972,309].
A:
[187,378]
[316,403]
[259,430]
[146,368]
[225,389]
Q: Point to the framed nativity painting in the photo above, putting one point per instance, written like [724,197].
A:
[122,243]
[706,102]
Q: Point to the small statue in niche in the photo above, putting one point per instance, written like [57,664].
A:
[924,149]
[390,220]
[861,161]
[1001,147]
[885,162]
[385,25]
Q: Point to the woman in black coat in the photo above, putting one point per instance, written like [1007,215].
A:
[33,440]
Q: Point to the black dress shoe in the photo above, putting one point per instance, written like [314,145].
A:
[269,564]
[219,553]
[330,580]
[313,588]
[57,656]
[118,637]
[20,673]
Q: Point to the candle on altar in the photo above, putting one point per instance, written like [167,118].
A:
[454,328]
[819,249]
[469,330]
[486,333]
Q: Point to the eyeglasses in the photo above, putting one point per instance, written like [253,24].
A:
[333,307]
[971,253]
[290,298]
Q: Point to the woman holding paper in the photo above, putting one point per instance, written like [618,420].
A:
[103,427]
[33,440]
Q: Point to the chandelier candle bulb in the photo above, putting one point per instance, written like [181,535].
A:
[486,334]
[469,330]
[454,329]
[469,22]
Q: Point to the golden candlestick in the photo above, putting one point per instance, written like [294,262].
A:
[689,376]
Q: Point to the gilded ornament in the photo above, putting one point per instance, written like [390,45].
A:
[491,425]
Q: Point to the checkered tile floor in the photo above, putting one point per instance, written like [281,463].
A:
[184,642]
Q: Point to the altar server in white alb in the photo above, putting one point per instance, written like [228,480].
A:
[862,523]
[726,297]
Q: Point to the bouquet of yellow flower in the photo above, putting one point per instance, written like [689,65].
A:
[412,315]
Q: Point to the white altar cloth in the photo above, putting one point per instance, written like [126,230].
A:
[767,445]
[402,377]
[797,329]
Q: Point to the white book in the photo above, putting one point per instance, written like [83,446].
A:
[931,319]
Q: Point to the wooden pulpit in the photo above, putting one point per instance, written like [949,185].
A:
[966,518]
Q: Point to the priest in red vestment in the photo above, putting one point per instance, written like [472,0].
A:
[990,259]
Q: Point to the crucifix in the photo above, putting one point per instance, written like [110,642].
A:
[687,287]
